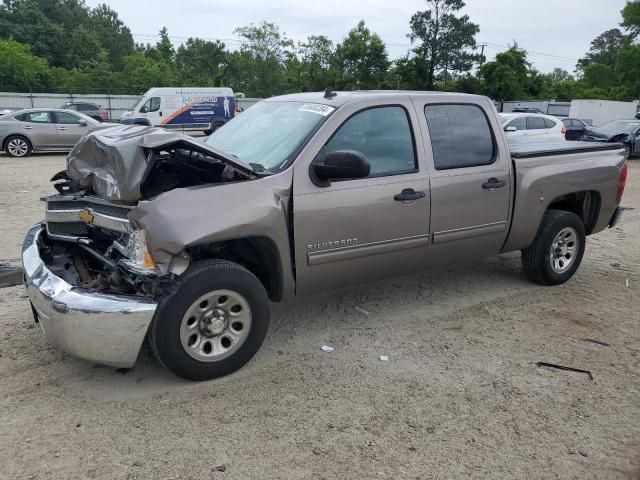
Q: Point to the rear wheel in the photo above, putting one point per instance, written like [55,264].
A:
[557,250]
[213,324]
[18,146]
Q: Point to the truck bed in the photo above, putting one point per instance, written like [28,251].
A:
[526,149]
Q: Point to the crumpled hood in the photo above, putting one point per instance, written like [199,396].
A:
[114,161]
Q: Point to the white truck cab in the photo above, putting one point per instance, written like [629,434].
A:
[183,108]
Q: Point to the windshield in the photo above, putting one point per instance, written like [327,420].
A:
[505,118]
[135,105]
[618,126]
[270,134]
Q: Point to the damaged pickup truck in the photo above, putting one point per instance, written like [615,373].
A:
[161,236]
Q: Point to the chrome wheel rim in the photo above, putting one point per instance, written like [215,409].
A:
[564,249]
[215,325]
[627,151]
[17,147]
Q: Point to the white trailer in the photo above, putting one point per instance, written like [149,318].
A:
[599,112]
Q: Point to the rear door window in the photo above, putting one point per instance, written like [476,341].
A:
[38,117]
[549,123]
[460,136]
[535,123]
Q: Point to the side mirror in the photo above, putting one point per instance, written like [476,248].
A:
[510,129]
[143,110]
[341,164]
[83,123]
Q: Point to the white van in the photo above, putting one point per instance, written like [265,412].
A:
[188,108]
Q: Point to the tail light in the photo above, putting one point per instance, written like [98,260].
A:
[564,130]
[622,181]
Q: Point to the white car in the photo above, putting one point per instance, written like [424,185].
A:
[532,126]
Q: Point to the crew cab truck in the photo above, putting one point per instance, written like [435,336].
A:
[155,234]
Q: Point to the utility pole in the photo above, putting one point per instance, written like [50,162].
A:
[482,45]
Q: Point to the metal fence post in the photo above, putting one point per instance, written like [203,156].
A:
[31,97]
[109,103]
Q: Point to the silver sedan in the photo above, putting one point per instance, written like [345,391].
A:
[44,129]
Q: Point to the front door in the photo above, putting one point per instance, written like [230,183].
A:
[360,230]
[71,128]
[151,111]
[470,181]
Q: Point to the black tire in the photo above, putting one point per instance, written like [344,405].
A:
[200,279]
[12,151]
[537,260]
[627,151]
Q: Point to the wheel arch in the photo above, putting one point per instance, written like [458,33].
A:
[258,254]
[16,134]
[585,203]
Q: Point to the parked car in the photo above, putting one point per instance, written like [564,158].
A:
[90,109]
[575,128]
[533,126]
[626,132]
[310,192]
[44,129]
[183,109]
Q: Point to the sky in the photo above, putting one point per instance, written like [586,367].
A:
[556,33]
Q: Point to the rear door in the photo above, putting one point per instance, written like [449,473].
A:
[536,128]
[70,127]
[470,180]
[360,230]
[38,126]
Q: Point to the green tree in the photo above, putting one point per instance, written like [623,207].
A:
[361,60]
[317,56]
[631,18]
[260,64]
[202,63]
[115,36]
[20,71]
[510,76]
[445,43]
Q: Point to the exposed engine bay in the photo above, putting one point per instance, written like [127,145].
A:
[90,241]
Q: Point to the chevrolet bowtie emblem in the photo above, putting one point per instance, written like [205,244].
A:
[86,216]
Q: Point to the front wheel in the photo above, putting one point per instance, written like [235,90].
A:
[627,151]
[213,324]
[556,253]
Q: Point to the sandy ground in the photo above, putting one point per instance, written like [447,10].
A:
[460,397]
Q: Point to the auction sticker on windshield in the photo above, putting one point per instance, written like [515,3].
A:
[318,108]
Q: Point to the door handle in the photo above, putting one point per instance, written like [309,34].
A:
[27,127]
[62,128]
[493,183]
[407,195]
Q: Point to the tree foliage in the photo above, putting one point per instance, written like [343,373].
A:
[446,44]
[65,46]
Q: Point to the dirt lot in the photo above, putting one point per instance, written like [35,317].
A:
[460,397]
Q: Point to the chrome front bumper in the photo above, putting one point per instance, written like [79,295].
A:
[106,329]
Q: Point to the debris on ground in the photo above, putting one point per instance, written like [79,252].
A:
[362,311]
[562,367]
[384,358]
[219,468]
[327,348]
[597,342]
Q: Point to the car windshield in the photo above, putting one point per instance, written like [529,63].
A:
[505,118]
[270,134]
[620,126]
[137,102]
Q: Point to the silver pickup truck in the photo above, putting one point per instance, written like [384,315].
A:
[157,235]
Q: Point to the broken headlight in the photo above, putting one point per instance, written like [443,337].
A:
[138,257]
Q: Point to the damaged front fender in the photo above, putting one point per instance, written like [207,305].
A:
[190,217]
